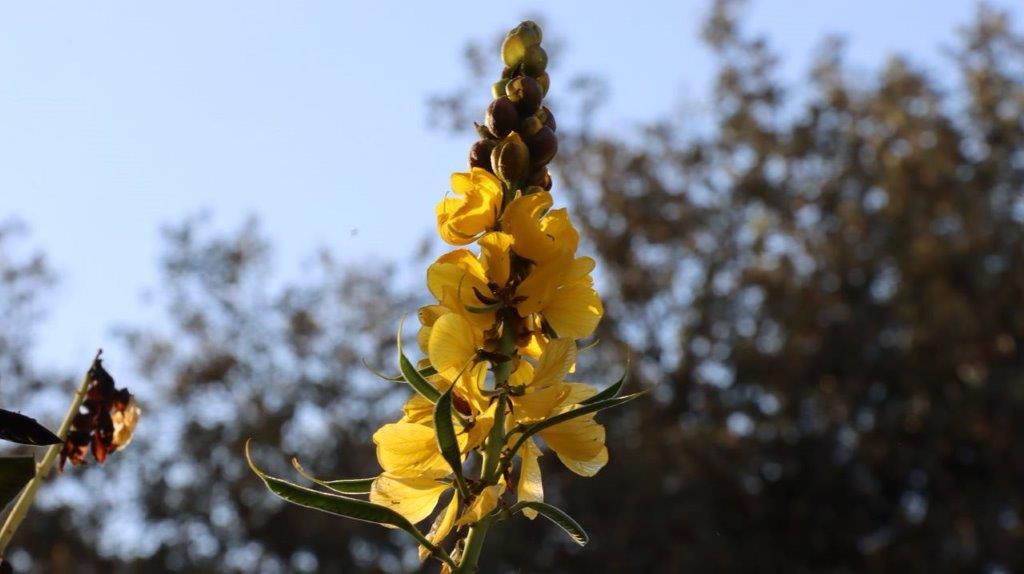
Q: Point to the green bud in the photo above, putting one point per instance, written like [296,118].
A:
[498,88]
[525,93]
[480,154]
[534,61]
[510,159]
[530,126]
[512,50]
[529,33]
[545,82]
[502,117]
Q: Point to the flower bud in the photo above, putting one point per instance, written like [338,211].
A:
[530,126]
[533,189]
[543,146]
[483,132]
[502,117]
[525,93]
[545,82]
[510,158]
[539,178]
[547,118]
[498,88]
[529,33]
[512,50]
[480,154]
[534,61]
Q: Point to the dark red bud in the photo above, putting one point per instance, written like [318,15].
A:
[502,117]
[543,146]
[480,154]
[525,93]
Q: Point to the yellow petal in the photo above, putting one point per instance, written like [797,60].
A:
[558,358]
[418,410]
[522,220]
[522,375]
[442,526]
[412,497]
[484,502]
[452,345]
[579,444]
[530,486]
[482,425]
[540,285]
[578,392]
[408,448]
[559,228]
[539,404]
[574,311]
[495,251]
[458,270]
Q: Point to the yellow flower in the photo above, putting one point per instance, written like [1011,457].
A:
[408,449]
[539,235]
[414,497]
[473,210]
[561,290]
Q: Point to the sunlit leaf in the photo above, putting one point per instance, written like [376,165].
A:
[344,485]
[559,517]
[413,376]
[446,439]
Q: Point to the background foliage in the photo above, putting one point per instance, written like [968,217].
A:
[822,281]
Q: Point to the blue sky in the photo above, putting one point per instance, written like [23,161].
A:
[118,117]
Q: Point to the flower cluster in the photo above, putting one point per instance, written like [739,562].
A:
[507,315]
[500,341]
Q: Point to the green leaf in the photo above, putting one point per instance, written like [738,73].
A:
[582,409]
[429,371]
[609,393]
[15,473]
[559,517]
[446,439]
[413,376]
[344,486]
[342,506]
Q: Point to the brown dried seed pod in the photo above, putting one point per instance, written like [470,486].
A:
[502,117]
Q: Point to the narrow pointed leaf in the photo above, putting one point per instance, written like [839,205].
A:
[344,485]
[559,517]
[19,428]
[342,506]
[609,393]
[15,473]
[446,440]
[579,411]
[428,371]
[413,376]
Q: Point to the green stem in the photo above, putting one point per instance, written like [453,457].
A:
[492,453]
[28,496]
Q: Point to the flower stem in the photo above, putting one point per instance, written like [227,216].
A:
[28,496]
[492,452]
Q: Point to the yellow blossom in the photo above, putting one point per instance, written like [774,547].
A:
[473,209]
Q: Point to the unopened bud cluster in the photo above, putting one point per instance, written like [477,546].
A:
[518,135]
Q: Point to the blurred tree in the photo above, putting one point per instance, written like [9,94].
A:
[823,286]
[826,289]
[237,355]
